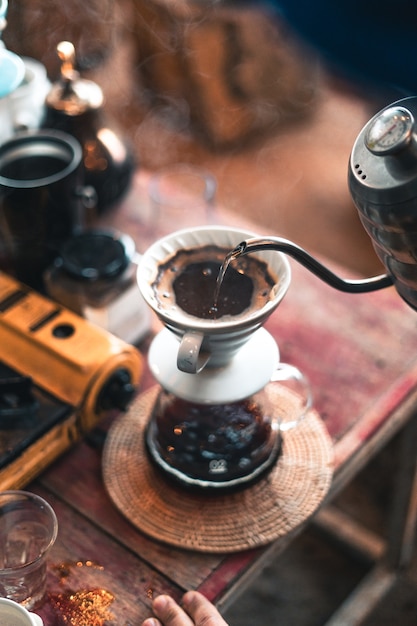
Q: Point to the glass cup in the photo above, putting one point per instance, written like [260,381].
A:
[13,614]
[28,529]
[181,196]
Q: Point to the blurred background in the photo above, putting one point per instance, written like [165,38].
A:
[233,88]
[229,87]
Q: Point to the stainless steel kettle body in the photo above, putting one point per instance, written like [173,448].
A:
[382,181]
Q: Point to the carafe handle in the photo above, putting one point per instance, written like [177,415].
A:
[293,395]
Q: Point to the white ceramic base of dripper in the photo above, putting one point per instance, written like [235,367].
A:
[246,373]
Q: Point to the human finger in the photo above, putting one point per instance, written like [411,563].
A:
[170,613]
[151,621]
[201,610]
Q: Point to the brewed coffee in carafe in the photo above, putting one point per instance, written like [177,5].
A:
[213,444]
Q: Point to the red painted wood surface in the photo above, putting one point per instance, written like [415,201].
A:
[360,353]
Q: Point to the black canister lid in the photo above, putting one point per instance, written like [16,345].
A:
[96,255]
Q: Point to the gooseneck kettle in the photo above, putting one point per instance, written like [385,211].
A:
[383,185]
[382,179]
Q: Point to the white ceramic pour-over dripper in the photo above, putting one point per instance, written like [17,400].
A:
[209,342]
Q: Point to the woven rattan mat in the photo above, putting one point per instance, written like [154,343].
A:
[286,497]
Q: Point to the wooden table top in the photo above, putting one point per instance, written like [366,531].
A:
[360,353]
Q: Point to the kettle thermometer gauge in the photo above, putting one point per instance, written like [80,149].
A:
[390,131]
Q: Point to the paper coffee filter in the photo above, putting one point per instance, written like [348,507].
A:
[222,236]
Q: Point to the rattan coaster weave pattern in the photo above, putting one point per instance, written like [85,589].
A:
[221,523]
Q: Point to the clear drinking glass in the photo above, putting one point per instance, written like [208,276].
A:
[28,529]
[181,196]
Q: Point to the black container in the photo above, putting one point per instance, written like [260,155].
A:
[41,201]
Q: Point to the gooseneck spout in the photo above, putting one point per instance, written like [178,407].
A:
[299,254]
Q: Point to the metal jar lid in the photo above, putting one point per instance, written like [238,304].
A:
[96,255]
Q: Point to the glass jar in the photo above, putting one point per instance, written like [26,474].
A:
[94,275]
